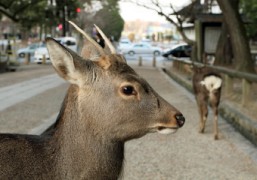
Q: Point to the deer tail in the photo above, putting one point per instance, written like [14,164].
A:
[212,82]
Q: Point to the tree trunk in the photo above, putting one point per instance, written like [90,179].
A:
[190,42]
[239,41]
[224,52]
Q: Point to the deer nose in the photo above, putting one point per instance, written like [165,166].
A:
[180,120]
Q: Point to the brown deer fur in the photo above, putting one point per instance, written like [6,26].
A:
[207,88]
[107,104]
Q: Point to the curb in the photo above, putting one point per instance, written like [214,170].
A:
[239,121]
[246,126]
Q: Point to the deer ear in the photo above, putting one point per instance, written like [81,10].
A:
[63,61]
[104,62]
[89,51]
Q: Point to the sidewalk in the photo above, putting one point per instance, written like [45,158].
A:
[242,118]
[183,155]
[188,154]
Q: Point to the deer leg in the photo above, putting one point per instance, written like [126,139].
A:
[215,113]
[203,111]
[204,117]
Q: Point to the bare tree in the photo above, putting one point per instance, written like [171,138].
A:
[175,18]
[233,23]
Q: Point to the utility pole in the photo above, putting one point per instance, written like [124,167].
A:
[64,20]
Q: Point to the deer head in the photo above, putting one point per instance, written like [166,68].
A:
[112,100]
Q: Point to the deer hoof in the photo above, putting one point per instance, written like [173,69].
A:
[201,130]
[216,137]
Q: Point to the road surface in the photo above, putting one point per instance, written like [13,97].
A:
[31,99]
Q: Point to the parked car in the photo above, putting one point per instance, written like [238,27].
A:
[30,49]
[147,41]
[142,48]
[8,63]
[124,43]
[179,50]
[69,42]
[40,53]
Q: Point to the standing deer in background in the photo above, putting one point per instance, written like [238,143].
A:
[107,104]
[207,88]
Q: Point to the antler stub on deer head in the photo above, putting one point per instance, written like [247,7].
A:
[92,50]
[119,86]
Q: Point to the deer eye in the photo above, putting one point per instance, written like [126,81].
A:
[128,90]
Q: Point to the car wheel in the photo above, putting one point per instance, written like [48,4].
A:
[22,55]
[170,57]
[131,53]
[156,53]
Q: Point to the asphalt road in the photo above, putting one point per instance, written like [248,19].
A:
[183,155]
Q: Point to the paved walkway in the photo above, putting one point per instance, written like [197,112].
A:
[30,99]
[183,155]
[188,154]
[19,92]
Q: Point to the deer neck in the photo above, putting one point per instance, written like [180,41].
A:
[87,153]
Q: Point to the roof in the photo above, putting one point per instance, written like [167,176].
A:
[196,10]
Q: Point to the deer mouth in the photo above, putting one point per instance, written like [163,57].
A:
[166,130]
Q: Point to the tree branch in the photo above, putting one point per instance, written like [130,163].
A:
[7,5]
[26,6]
[7,13]
[6,8]
[157,8]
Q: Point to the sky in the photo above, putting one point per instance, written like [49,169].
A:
[130,11]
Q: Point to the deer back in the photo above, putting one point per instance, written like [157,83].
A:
[206,82]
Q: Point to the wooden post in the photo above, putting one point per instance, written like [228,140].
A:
[174,64]
[228,84]
[140,61]
[180,66]
[44,59]
[154,61]
[27,58]
[246,86]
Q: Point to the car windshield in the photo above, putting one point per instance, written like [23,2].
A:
[36,45]
[43,45]
[33,46]
[124,42]
[68,42]
[141,46]
[178,45]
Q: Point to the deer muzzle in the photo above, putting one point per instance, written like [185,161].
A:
[180,120]
[173,126]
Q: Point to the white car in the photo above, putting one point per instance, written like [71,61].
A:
[147,41]
[40,53]
[123,44]
[30,49]
[69,42]
[142,48]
